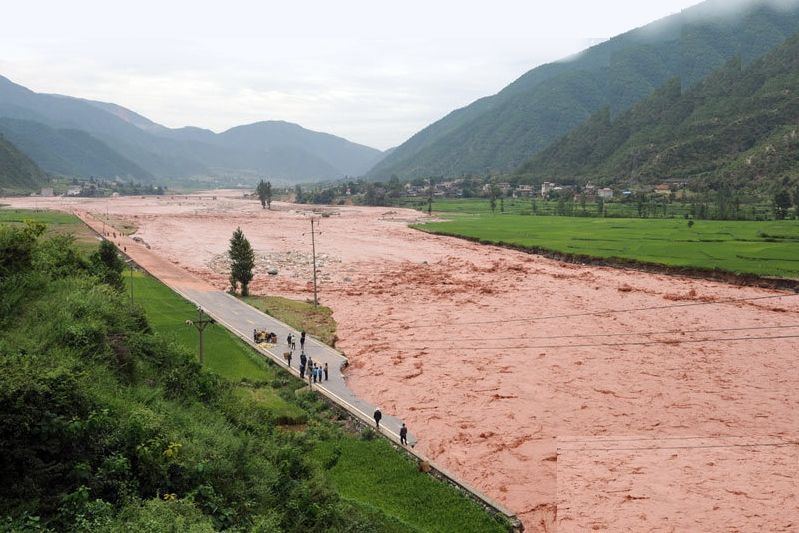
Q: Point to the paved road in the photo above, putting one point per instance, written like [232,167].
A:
[242,319]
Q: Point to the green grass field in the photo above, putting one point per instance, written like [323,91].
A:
[57,223]
[762,248]
[225,354]
[371,473]
[317,321]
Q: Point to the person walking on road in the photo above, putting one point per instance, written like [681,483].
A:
[288,358]
[288,341]
[404,435]
[325,371]
[303,362]
[302,340]
[378,415]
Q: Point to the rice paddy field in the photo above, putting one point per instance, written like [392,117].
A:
[768,248]
[57,223]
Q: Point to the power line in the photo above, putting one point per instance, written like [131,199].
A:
[648,343]
[595,313]
[595,335]
[695,447]
[600,440]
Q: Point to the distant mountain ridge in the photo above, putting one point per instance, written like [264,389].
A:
[17,171]
[499,133]
[737,128]
[116,142]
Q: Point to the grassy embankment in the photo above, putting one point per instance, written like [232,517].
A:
[170,444]
[316,321]
[760,248]
[57,224]
[367,472]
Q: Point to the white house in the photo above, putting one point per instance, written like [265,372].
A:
[605,194]
[547,187]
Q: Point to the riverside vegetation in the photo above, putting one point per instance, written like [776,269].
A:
[109,424]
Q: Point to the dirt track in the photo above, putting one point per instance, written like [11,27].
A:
[440,332]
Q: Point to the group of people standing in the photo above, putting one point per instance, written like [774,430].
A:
[316,372]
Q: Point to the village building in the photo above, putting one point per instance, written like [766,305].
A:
[547,187]
[605,193]
[524,191]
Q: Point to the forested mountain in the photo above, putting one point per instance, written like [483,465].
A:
[739,127]
[69,152]
[501,132]
[107,140]
[17,171]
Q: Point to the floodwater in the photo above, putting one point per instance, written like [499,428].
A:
[580,397]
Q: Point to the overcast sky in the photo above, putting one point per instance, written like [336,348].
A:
[373,72]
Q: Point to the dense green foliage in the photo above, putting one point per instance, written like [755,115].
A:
[501,132]
[107,425]
[242,261]
[264,192]
[737,128]
[17,171]
[107,264]
[762,248]
[69,152]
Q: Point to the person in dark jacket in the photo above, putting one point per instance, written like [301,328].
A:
[378,415]
[302,340]
[325,371]
[404,435]
[303,362]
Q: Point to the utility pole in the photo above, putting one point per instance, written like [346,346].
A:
[430,199]
[130,268]
[313,252]
[202,322]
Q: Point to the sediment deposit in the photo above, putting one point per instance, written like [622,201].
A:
[527,376]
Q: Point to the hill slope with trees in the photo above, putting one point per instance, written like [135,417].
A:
[17,171]
[499,133]
[69,152]
[738,128]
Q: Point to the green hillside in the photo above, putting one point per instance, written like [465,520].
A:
[69,152]
[501,132]
[738,128]
[17,171]
[79,137]
[107,423]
